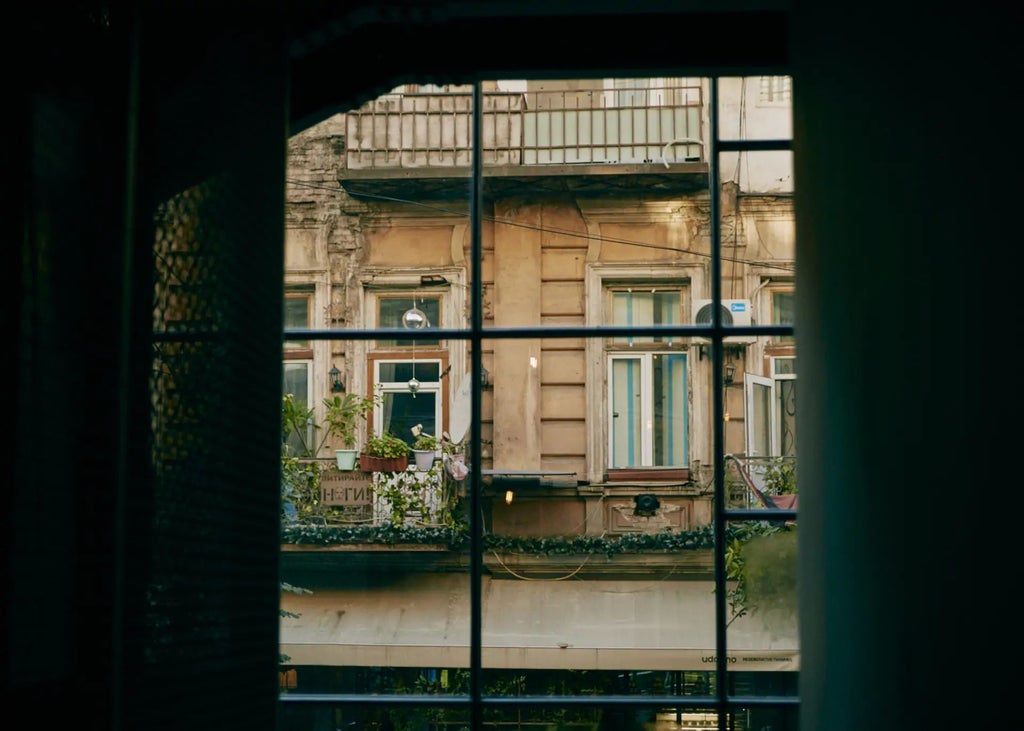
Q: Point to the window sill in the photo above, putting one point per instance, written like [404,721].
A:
[648,474]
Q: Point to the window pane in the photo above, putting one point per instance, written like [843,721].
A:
[402,372]
[784,366]
[783,308]
[296,316]
[391,309]
[670,437]
[626,421]
[761,420]
[295,380]
[646,308]
[404,410]
[787,417]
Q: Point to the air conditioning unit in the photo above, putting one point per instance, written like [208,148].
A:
[734,312]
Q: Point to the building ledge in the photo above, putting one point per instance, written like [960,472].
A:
[650,179]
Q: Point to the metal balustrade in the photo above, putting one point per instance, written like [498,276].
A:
[583,126]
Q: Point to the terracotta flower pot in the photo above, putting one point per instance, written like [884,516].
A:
[383,464]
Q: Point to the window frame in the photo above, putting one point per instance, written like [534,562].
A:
[440,387]
[376,281]
[314,284]
[724,703]
[601,278]
[301,352]
[647,408]
[645,351]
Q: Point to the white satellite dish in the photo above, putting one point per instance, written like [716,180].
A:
[462,410]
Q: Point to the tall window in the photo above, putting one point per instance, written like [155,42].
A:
[771,410]
[408,373]
[297,370]
[647,398]
[771,398]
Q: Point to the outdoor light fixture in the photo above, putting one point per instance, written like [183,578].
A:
[336,384]
[485,377]
[730,371]
[508,497]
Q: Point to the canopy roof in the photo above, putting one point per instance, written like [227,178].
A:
[423,621]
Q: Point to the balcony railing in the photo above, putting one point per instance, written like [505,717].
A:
[580,127]
[760,482]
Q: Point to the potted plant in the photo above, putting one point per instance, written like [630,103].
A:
[343,417]
[424,450]
[386,453]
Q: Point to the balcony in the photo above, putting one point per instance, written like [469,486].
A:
[416,521]
[586,142]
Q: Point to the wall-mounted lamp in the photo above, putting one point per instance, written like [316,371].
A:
[336,384]
[730,371]
[508,497]
[485,377]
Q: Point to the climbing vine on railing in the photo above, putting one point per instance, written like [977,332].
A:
[457,538]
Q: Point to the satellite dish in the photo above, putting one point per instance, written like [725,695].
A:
[462,406]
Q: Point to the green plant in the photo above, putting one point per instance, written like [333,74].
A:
[344,414]
[405,496]
[780,477]
[342,417]
[425,442]
[387,445]
[760,560]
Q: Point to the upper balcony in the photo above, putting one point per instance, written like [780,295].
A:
[593,141]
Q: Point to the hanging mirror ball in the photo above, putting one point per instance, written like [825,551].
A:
[414,319]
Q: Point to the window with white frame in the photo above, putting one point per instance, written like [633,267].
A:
[411,395]
[770,398]
[771,410]
[648,414]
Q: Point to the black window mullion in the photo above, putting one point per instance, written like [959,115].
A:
[476,342]
[717,409]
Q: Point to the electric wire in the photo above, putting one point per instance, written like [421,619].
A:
[544,229]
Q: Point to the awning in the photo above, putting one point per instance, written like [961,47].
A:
[422,620]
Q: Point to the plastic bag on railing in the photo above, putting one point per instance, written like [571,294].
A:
[456,468]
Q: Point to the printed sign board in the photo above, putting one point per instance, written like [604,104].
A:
[351,488]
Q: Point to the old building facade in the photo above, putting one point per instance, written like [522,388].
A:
[596,213]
